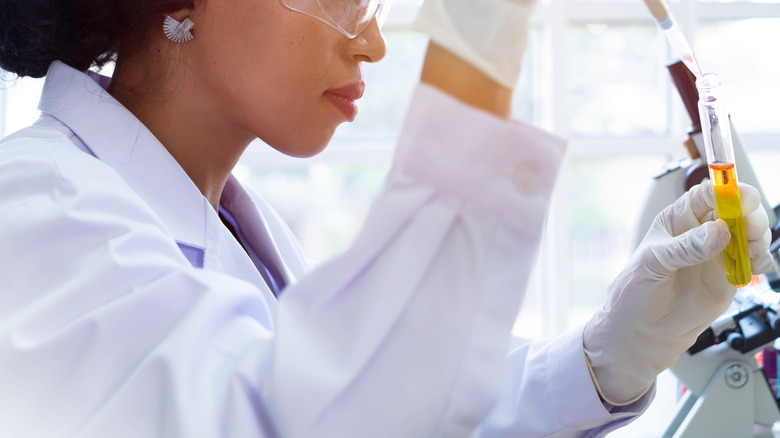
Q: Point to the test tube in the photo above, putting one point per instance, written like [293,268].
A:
[716,128]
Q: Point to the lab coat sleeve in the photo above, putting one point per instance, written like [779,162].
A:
[547,391]
[405,334]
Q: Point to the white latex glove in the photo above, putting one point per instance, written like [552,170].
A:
[489,34]
[673,287]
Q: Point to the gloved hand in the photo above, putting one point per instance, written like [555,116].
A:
[489,34]
[673,287]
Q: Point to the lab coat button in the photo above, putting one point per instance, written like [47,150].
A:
[526,180]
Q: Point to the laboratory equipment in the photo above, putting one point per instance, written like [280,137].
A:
[727,393]
[663,16]
[723,174]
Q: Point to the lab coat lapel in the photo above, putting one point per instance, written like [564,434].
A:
[120,140]
[255,229]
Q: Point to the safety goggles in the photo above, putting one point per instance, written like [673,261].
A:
[349,17]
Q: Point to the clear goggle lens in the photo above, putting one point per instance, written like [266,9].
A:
[349,17]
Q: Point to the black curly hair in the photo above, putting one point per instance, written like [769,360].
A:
[80,33]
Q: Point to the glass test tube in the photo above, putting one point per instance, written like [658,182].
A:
[716,128]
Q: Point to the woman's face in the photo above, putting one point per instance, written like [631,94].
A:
[278,74]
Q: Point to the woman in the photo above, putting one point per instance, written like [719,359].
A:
[141,279]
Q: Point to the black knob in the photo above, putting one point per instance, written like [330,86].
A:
[736,341]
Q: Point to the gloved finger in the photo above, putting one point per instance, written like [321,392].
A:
[688,211]
[751,198]
[759,247]
[756,224]
[702,201]
[693,247]
[711,216]
[763,264]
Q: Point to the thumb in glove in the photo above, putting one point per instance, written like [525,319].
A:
[693,247]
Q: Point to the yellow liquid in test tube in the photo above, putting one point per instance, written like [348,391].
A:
[728,206]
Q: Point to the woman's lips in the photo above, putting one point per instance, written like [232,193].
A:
[344,98]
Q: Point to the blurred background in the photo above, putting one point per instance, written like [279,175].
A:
[594,73]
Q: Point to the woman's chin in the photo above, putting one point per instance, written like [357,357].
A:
[303,149]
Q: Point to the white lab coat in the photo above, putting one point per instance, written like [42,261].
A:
[127,309]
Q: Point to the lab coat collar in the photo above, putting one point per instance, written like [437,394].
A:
[118,138]
[259,240]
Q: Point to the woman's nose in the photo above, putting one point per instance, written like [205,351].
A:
[369,45]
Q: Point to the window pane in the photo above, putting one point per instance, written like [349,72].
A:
[765,164]
[18,102]
[606,196]
[523,105]
[616,83]
[743,53]
[324,204]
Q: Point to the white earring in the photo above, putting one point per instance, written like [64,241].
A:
[178,32]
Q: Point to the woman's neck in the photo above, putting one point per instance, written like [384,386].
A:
[199,137]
